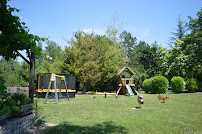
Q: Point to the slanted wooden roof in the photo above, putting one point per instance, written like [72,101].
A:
[128,70]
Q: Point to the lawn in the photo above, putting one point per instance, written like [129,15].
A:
[83,114]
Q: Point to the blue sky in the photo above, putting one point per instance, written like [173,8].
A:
[148,20]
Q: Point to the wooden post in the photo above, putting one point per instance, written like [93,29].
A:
[118,91]
[135,90]
[47,92]
[56,94]
[66,88]
[52,79]
[60,94]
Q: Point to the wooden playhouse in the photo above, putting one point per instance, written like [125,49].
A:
[126,85]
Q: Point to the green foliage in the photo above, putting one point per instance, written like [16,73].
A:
[149,58]
[147,85]
[7,104]
[180,31]
[157,84]
[108,86]
[51,59]
[192,84]
[174,62]
[139,78]
[184,59]
[177,84]
[128,43]
[38,120]
[23,98]
[113,30]
[13,73]
[191,46]
[14,34]
[92,58]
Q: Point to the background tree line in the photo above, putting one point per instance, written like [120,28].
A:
[96,59]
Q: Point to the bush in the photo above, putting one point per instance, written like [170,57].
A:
[159,84]
[139,78]
[147,85]
[177,84]
[192,84]
[23,98]
[6,103]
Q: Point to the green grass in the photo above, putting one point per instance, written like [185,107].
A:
[83,114]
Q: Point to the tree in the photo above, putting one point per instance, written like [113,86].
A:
[53,50]
[14,37]
[14,73]
[113,30]
[191,45]
[128,42]
[180,31]
[92,58]
[174,62]
[51,59]
[149,58]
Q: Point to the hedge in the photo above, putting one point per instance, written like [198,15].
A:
[177,84]
[192,85]
[157,84]
[147,85]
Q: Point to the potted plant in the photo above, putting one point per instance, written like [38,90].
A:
[25,104]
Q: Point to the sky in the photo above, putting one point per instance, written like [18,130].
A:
[147,20]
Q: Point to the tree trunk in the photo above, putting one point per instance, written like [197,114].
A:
[31,76]
[84,88]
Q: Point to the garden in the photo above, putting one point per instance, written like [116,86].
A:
[114,83]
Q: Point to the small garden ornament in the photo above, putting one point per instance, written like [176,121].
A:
[164,98]
[140,101]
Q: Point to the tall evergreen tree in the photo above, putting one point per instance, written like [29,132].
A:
[128,42]
[180,31]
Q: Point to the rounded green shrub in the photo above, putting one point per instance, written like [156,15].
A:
[192,85]
[147,85]
[177,84]
[159,84]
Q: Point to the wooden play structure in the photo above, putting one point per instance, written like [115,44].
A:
[126,84]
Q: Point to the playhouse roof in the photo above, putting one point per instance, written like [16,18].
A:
[128,70]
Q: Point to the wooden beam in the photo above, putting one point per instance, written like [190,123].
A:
[118,90]
[19,54]
[135,90]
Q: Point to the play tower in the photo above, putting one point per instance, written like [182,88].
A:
[126,85]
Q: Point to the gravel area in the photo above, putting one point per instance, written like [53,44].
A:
[40,130]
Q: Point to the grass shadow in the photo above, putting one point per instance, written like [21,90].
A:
[101,128]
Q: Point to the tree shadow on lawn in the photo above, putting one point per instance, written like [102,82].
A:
[101,128]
